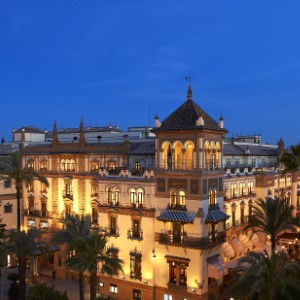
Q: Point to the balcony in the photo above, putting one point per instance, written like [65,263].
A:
[135,234]
[67,194]
[189,241]
[177,207]
[112,231]
[177,287]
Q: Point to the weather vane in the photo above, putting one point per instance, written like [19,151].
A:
[189,79]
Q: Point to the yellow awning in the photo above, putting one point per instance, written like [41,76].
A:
[246,242]
[237,246]
[254,239]
[228,250]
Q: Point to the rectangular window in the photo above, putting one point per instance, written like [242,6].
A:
[7,183]
[137,295]
[7,208]
[136,265]
[113,288]
[167,297]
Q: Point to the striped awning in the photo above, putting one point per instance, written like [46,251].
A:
[237,246]
[176,216]
[228,250]
[216,269]
[215,215]
[254,239]
[246,242]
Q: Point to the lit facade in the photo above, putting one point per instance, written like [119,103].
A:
[172,213]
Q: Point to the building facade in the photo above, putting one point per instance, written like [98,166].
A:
[172,200]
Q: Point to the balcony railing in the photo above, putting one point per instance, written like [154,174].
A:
[176,206]
[135,234]
[178,287]
[187,241]
[112,231]
[67,194]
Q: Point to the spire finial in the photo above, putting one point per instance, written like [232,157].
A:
[189,79]
[54,134]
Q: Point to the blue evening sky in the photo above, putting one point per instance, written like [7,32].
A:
[108,61]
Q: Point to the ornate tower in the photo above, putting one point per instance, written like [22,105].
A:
[189,184]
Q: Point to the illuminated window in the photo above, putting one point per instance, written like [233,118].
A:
[250,187]
[113,288]
[137,166]
[177,271]
[167,297]
[212,197]
[43,165]
[94,166]
[30,187]
[43,188]
[67,165]
[111,165]
[136,265]
[137,294]
[177,200]
[30,164]
[136,197]
[94,189]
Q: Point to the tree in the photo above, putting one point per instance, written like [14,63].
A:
[272,216]
[90,251]
[25,245]
[75,227]
[43,292]
[11,169]
[264,277]
[291,159]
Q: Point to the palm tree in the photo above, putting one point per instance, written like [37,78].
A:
[25,246]
[11,169]
[75,227]
[91,251]
[272,216]
[291,159]
[264,277]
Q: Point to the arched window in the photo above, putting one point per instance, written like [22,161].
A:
[140,197]
[177,199]
[166,156]
[250,187]
[189,153]
[178,156]
[207,157]
[137,166]
[109,195]
[233,189]
[181,199]
[172,198]
[94,189]
[132,196]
